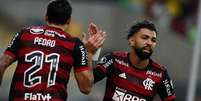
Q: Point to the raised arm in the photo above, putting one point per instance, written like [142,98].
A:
[93,41]
[82,71]
[5,61]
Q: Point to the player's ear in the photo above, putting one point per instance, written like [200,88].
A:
[68,21]
[131,41]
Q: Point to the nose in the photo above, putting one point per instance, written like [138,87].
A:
[149,42]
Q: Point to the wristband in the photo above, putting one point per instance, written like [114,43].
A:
[96,55]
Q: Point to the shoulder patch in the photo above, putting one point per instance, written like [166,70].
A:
[37,31]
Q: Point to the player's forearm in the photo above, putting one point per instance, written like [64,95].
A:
[85,81]
[89,58]
[90,81]
[5,61]
[2,69]
[87,89]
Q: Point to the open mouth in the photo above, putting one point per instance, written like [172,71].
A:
[147,49]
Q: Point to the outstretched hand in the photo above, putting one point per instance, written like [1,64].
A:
[94,39]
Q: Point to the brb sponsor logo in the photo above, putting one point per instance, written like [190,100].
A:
[37,97]
[121,95]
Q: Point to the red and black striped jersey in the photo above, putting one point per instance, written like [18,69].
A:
[45,56]
[127,83]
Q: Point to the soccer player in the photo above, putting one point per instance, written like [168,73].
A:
[45,56]
[133,75]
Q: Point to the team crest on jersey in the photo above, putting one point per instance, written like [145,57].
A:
[148,84]
[36,31]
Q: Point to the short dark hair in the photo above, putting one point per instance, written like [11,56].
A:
[58,11]
[142,24]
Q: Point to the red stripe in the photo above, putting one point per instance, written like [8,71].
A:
[19,86]
[170,98]
[22,67]
[103,69]
[131,71]
[131,86]
[10,54]
[158,66]
[136,73]
[61,73]
[80,69]
[69,45]
[108,94]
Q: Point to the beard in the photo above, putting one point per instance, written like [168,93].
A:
[141,54]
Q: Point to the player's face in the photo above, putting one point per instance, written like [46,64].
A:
[143,43]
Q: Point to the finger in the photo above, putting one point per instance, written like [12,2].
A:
[84,37]
[93,29]
[100,42]
[103,34]
[96,37]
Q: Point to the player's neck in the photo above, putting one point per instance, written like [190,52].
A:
[62,27]
[137,62]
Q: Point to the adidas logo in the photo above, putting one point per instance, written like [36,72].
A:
[122,75]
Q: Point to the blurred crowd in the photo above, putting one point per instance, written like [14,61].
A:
[182,15]
[178,15]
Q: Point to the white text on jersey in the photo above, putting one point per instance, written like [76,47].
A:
[83,53]
[44,42]
[37,97]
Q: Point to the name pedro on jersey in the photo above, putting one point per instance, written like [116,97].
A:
[44,42]
[37,97]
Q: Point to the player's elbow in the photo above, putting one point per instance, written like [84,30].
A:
[86,87]
[86,90]
[85,81]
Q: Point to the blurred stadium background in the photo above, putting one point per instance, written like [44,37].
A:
[175,21]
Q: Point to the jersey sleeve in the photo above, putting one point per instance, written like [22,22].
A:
[80,57]
[14,45]
[166,90]
[103,67]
